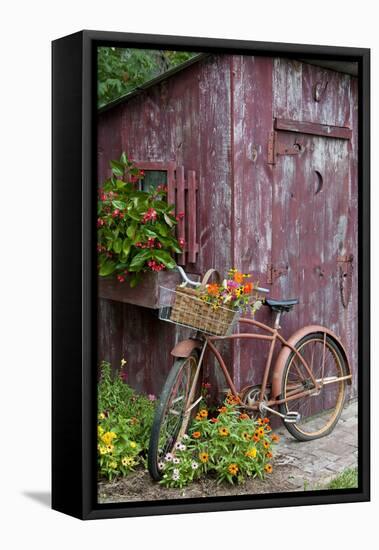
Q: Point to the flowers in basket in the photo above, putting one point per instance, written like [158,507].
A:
[235,292]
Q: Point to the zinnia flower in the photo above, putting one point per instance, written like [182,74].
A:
[268,468]
[169,457]
[203,457]
[233,469]
[194,465]
[223,431]
[196,435]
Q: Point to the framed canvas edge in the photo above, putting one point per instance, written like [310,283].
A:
[79,378]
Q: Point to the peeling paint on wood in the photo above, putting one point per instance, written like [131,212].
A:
[296,216]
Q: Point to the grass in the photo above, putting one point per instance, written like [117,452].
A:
[348,479]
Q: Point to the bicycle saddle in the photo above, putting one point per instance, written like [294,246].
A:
[281,305]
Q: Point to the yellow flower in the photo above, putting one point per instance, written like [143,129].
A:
[101,416]
[108,437]
[113,465]
[268,468]
[203,413]
[223,431]
[110,448]
[252,453]
[102,450]
[133,444]
[128,461]
[100,430]
[204,457]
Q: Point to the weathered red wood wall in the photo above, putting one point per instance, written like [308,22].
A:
[298,216]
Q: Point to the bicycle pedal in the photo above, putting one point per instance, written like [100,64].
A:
[292,417]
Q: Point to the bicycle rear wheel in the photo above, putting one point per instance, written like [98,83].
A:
[174,411]
[319,410]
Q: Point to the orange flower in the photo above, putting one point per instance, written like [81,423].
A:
[275,438]
[255,437]
[196,435]
[268,428]
[214,420]
[268,468]
[244,416]
[203,457]
[203,413]
[223,431]
[248,287]
[222,410]
[198,417]
[213,289]
[269,454]
[261,432]
[238,277]
[232,399]
[266,444]
[233,469]
[266,420]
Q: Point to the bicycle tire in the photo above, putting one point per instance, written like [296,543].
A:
[155,453]
[297,429]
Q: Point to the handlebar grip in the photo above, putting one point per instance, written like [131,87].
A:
[260,289]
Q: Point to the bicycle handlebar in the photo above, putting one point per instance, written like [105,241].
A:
[197,283]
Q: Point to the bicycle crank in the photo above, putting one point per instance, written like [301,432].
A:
[291,417]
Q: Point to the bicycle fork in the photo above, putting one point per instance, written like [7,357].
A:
[189,405]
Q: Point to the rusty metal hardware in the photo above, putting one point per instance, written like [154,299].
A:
[275,147]
[319,90]
[345,267]
[274,272]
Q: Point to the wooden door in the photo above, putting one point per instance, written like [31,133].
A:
[312,249]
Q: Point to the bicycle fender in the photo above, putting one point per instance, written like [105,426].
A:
[285,352]
[185,347]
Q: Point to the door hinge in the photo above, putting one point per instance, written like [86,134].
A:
[345,265]
[274,272]
[275,147]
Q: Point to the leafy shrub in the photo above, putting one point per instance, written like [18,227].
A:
[124,424]
[135,229]
[230,446]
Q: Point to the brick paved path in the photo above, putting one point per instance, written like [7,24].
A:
[321,460]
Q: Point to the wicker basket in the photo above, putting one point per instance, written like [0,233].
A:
[189,310]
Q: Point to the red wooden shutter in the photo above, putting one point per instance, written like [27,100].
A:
[186,201]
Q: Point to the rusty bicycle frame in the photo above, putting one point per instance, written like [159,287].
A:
[207,341]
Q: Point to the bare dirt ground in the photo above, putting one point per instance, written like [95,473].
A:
[139,486]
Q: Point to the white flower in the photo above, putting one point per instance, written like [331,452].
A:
[168,457]
[182,447]
[176,460]
[175,471]
[175,477]
[178,445]
[225,283]
[161,465]
[194,465]
[185,436]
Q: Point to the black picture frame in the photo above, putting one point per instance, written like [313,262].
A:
[74,276]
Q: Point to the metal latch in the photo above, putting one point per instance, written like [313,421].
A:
[345,265]
[274,272]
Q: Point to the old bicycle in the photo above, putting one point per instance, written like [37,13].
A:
[305,387]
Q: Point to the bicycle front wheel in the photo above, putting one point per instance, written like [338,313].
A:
[321,409]
[174,411]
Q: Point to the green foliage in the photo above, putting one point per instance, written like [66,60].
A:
[348,479]
[231,446]
[121,70]
[135,228]
[124,424]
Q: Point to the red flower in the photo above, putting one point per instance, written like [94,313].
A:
[121,278]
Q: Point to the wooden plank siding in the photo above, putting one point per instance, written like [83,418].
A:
[297,216]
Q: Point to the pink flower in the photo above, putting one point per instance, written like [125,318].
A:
[181,242]
[151,397]
[150,215]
